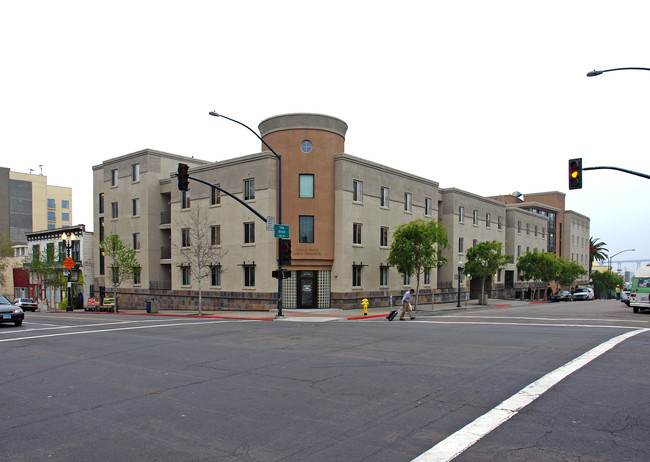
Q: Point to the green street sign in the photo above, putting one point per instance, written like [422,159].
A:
[281,231]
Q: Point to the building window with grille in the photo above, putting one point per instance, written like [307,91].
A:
[461,214]
[306,229]
[249,276]
[215,196]
[185,237]
[65,216]
[408,199]
[51,203]
[65,204]
[427,276]
[356,233]
[306,186]
[427,206]
[357,191]
[383,236]
[460,244]
[487,220]
[383,197]
[114,177]
[137,275]
[215,276]
[519,227]
[135,172]
[114,210]
[475,217]
[136,241]
[356,276]
[186,274]
[499,222]
[215,235]
[383,275]
[249,233]
[249,189]
[185,199]
[527,229]
[51,216]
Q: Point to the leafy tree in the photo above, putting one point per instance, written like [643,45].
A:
[417,247]
[597,251]
[123,265]
[47,266]
[6,252]
[483,261]
[200,255]
[569,272]
[605,283]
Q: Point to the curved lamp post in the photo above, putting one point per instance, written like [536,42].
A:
[594,73]
[279,157]
[611,257]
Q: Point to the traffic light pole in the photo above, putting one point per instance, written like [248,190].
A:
[631,172]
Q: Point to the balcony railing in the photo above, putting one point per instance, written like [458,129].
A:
[160,285]
[165,218]
[166,253]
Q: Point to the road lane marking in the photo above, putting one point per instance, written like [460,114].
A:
[457,443]
[544,318]
[115,329]
[527,324]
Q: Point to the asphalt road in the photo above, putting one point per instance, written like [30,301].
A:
[106,387]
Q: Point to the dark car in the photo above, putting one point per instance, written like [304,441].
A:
[9,312]
[562,296]
[27,304]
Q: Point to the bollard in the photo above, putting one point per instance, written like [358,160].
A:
[364,302]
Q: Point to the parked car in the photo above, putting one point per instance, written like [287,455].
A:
[625,293]
[562,296]
[584,293]
[27,304]
[10,312]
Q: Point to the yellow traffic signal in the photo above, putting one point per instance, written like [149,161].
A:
[575,173]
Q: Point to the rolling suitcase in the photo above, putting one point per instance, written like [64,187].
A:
[391,315]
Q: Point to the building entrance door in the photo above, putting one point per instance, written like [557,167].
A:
[307,296]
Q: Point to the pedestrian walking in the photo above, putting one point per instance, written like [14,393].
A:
[406,305]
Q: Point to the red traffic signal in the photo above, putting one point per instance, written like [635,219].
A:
[284,252]
[575,173]
[183,177]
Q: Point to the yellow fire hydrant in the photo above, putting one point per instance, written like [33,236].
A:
[365,303]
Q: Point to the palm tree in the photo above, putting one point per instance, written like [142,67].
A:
[597,251]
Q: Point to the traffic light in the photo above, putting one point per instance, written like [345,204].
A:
[575,173]
[284,254]
[183,176]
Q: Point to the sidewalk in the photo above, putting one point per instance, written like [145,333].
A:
[328,314]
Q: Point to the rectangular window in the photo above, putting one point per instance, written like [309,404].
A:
[114,177]
[185,237]
[187,276]
[407,279]
[65,204]
[475,217]
[474,242]
[427,276]
[306,187]
[527,229]
[249,233]
[135,172]
[36,252]
[51,216]
[407,202]
[136,241]
[536,231]
[487,220]
[460,244]
[461,214]
[215,196]
[51,203]
[306,229]
[518,251]
[383,197]
[249,276]
[519,227]
[185,199]
[249,189]
[383,236]
[114,210]
[357,191]
[135,205]
[215,275]
[499,222]
[137,272]
[356,233]
[383,275]
[427,206]
[101,203]
[215,235]
[356,276]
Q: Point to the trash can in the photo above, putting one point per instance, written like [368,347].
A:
[148,303]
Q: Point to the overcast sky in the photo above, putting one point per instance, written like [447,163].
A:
[489,97]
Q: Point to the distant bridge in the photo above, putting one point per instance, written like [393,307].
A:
[638,262]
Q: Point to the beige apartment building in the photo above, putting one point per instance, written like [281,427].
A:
[341,211]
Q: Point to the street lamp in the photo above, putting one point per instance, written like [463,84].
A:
[611,257]
[594,73]
[460,272]
[67,242]
[279,157]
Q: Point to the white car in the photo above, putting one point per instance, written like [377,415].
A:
[583,293]
[625,294]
